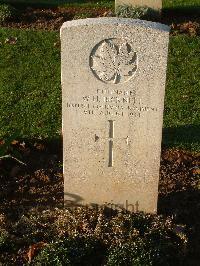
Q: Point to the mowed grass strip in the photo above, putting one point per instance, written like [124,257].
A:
[182,102]
[30,91]
[180,3]
[60,3]
[167,4]
[182,7]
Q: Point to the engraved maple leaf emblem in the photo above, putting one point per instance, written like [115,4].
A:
[114,62]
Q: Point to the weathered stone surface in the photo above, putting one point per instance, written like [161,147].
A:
[113,84]
[154,4]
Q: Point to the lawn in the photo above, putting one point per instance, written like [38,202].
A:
[30,107]
[169,4]
[181,3]
[61,3]
[30,92]
[182,103]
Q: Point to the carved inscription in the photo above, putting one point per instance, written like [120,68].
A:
[113,61]
[114,103]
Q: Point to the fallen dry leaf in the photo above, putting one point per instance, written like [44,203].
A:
[56,44]
[196,171]
[108,13]
[22,144]
[14,142]
[191,28]
[33,249]
[11,40]
[2,142]
[39,146]
[176,156]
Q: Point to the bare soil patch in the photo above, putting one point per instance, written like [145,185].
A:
[39,184]
[53,18]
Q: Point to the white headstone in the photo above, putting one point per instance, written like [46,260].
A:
[153,4]
[113,85]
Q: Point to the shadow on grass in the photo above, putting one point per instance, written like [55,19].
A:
[32,3]
[182,10]
[183,136]
[46,3]
[180,14]
[184,206]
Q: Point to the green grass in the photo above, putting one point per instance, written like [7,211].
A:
[180,3]
[30,93]
[182,106]
[65,3]
[167,4]
[182,7]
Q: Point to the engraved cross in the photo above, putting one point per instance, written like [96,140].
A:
[111,141]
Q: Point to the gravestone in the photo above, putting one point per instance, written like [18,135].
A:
[155,5]
[113,84]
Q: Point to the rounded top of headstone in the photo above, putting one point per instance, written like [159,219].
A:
[116,20]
